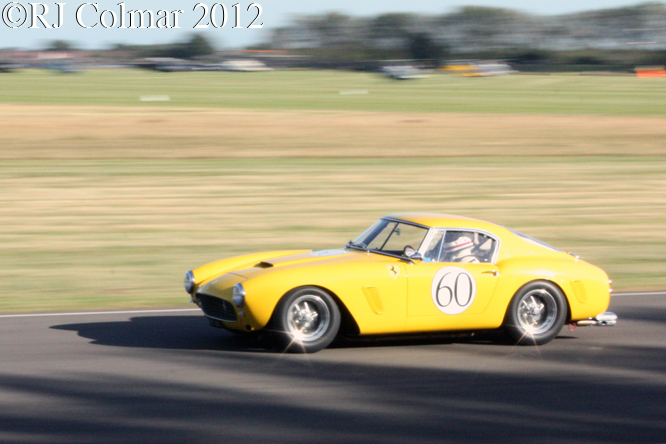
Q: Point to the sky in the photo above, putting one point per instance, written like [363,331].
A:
[19,29]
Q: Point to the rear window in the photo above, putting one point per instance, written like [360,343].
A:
[533,241]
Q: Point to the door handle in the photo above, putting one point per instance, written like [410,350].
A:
[493,272]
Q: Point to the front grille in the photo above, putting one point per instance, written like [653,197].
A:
[217,308]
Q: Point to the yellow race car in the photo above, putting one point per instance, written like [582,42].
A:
[408,273]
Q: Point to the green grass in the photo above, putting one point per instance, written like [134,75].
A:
[321,90]
[120,234]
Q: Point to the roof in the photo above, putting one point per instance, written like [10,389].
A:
[444,220]
[512,244]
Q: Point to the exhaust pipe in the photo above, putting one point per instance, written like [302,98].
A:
[607,319]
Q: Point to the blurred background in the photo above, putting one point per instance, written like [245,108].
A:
[129,157]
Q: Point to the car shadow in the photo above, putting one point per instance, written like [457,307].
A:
[165,332]
[194,333]
[491,337]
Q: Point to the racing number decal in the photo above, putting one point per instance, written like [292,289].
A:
[453,290]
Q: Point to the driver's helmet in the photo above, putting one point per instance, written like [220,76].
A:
[458,248]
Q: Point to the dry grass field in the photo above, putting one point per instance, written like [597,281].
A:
[75,132]
[106,206]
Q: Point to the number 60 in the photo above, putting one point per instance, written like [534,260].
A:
[453,290]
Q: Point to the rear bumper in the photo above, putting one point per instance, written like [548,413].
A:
[607,319]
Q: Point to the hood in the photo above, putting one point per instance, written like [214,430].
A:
[302,259]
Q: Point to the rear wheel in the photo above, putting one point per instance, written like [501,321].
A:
[306,320]
[536,313]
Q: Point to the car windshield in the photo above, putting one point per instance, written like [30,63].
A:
[391,237]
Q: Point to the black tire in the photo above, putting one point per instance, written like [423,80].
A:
[536,314]
[306,320]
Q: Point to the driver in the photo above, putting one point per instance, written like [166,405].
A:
[458,247]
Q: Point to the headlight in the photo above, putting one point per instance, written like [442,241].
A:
[188,282]
[238,295]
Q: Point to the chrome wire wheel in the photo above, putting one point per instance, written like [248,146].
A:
[308,318]
[537,311]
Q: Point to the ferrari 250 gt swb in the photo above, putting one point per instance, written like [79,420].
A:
[408,273]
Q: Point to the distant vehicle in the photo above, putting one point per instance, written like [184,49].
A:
[478,68]
[65,68]
[403,72]
[167,64]
[243,66]
[650,71]
[408,273]
[9,67]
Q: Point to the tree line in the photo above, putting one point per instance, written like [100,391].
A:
[619,35]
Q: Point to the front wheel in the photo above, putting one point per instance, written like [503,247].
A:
[536,314]
[306,320]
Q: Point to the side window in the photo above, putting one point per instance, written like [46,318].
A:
[461,246]
[434,249]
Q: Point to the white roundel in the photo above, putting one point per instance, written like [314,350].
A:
[453,290]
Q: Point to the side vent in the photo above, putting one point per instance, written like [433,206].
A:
[579,291]
[263,265]
[374,300]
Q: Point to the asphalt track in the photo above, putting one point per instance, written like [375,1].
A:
[167,377]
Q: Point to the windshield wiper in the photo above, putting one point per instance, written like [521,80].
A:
[355,246]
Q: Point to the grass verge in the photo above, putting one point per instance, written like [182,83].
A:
[90,234]
[340,91]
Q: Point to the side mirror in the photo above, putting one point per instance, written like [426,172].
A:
[408,251]
[411,254]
